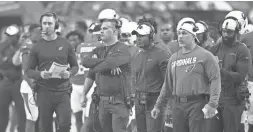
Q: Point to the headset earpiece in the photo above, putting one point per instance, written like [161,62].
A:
[55,17]
[152,33]
[206,35]
[118,24]
[195,28]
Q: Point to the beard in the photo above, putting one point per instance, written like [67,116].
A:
[143,46]
[228,40]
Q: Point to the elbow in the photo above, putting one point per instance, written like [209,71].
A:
[238,78]
[74,70]
[86,65]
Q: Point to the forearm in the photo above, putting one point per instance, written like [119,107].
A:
[215,89]
[89,62]
[163,98]
[73,70]
[31,73]
[110,65]
[16,59]
[233,76]
[29,81]
[87,85]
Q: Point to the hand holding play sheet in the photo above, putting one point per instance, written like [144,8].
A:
[57,69]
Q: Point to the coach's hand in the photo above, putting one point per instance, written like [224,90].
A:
[45,74]
[65,74]
[209,111]
[155,112]
[84,101]
[116,71]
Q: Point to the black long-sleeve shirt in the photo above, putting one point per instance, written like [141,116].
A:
[235,61]
[43,54]
[149,68]
[109,58]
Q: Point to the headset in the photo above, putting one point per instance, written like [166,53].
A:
[237,28]
[195,28]
[152,32]
[206,35]
[56,17]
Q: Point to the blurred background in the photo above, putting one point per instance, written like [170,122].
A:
[22,13]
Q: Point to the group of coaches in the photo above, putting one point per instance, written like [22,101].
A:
[205,82]
[200,79]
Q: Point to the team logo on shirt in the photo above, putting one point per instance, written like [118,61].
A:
[189,68]
[184,62]
[60,48]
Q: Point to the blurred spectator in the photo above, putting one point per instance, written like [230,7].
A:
[10,80]
[82,27]
[76,39]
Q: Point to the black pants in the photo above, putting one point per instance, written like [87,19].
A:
[49,102]
[230,115]
[144,121]
[188,117]
[10,91]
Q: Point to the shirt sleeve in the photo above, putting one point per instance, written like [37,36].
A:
[167,87]
[91,75]
[119,57]
[89,62]
[25,56]
[32,63]
[163,62]
[72,60]
[213,73]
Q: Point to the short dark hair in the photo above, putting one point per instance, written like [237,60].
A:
[150,21]
[50,14]
[82,25]
[75,32]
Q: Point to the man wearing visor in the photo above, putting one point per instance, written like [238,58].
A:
[234,61]
[192,79]
[149,69]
